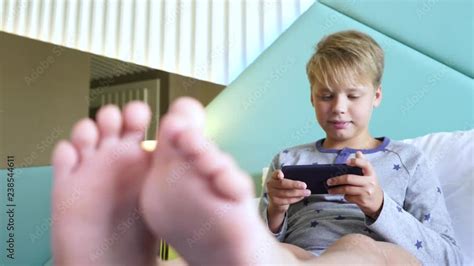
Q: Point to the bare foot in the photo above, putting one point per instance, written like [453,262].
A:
[98,177]
[197,199]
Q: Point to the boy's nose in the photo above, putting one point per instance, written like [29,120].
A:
[340,105]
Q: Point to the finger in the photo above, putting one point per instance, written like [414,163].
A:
[290,193]
[361,162]
[346,190]
[277,174]
[354,180]
[289,184]
[353,199]
[287,201]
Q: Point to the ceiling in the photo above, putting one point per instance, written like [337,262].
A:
[208,40]
[106,68]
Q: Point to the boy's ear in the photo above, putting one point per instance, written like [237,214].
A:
[378,96]
[311,98]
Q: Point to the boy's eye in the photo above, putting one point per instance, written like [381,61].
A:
[353,96]
[325,97]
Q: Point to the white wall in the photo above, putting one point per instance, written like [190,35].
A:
[206,39]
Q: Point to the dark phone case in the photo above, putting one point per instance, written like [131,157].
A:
[315,176]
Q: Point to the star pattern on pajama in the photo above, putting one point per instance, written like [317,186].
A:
[399,209]
[438,190]
[396,167]
[427,217]
[340,217]
[419,244]
[314,223]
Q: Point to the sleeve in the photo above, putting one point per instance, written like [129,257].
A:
[423,225]
[263,204]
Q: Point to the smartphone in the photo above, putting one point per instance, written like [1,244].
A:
[315,176]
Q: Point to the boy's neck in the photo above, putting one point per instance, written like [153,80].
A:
[357,144]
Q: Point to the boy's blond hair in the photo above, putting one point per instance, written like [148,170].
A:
[346,57]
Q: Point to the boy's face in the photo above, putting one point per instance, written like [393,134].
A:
[344,111]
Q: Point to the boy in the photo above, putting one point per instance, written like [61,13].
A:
[397,200]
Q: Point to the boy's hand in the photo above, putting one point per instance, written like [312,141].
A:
[364,191]
[283,192]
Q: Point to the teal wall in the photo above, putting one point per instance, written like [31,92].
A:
[32,198]
[443,30]
[268,107]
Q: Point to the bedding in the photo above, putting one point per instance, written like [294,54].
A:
[451,154]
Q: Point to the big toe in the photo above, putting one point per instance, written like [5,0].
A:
[185,114]
[191,110]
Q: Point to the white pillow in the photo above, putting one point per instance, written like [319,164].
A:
[451,155]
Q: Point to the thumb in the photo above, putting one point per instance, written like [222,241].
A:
[353,161]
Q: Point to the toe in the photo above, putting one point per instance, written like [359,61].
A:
[136,118]
[237,188]
[207,162]
[231,182]
[170,127]
[191,143]
[109,122]
[85,137]
[191,110]
[64,159]
[184,114]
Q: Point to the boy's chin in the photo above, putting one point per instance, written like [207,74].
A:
[341,135]
[338,139]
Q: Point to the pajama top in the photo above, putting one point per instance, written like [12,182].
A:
[413,214]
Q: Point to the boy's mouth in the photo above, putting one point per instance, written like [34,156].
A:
[339,124]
